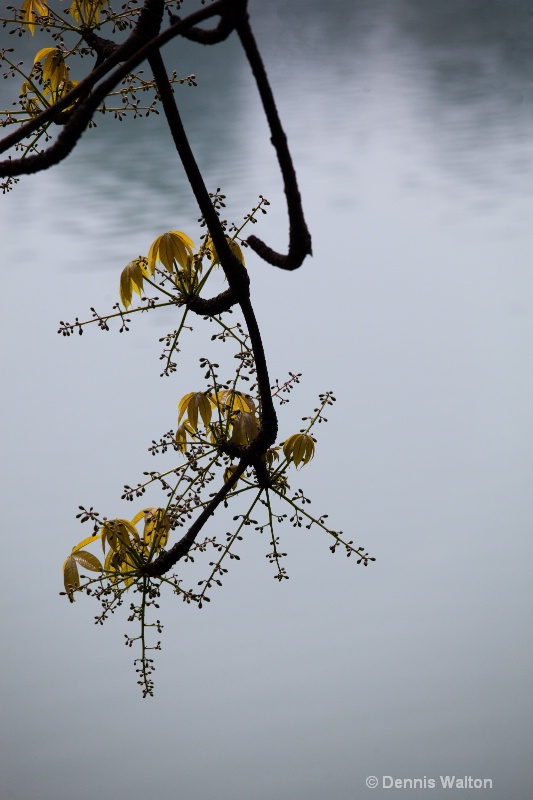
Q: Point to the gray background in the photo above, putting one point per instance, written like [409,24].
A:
[410,124]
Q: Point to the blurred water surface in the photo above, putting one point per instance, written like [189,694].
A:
[410,125]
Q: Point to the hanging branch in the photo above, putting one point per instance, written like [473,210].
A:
[299,236]
[239,293]
[237,18]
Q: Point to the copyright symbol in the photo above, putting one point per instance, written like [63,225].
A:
[371,781]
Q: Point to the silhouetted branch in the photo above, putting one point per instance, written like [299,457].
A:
[299,236]
[235,272]
[104,48]
[210,307]
[240,288]
[228,18]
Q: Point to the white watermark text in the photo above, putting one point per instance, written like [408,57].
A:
[443,781]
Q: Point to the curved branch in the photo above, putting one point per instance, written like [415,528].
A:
[269,420]
[235,272]
[299,236]
[104,48]
[239,290]
[228,18]
[214,305]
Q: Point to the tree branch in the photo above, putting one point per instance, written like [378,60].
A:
[228,19]
[299,236]
[240,288]
[235,272]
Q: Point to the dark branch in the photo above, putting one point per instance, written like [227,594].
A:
[104,48]
[228,19]
[239,287]
[214,305]
[299,236]
[235,272]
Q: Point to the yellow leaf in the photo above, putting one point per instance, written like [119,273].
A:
[230,401]
[181,436]
[156,527]
[126,567]
[194,403]
[233,246]
[281,485]
[84,542]
[138,517]
[31,9]
[170,247]
[117,533]
[245,428]
[131,280]
[32,105]
[43,52]
[71,576]
[86,11]
[271,456]
[228,472]
[55,72]
[183,403]
[110,562]
[218,432]
[249,402]
[87,560]
[299,448]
